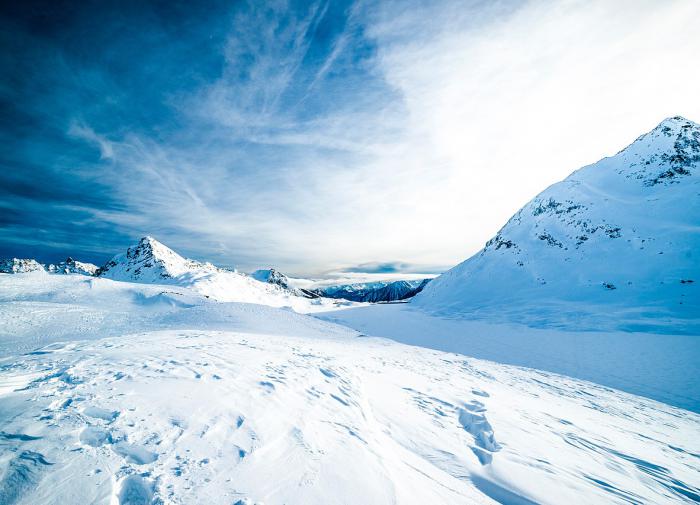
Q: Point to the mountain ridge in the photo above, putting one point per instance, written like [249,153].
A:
[621,232]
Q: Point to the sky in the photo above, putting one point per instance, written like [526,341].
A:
[315,137]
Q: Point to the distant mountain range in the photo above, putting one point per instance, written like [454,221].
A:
[623,232]
[380,291]
[70,266]
[619,236]
[150,261]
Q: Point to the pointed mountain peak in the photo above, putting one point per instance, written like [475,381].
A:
[150,247]
[150,261]
[672,125]
[664,155]
[148,240]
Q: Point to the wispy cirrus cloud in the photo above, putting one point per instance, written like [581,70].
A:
[319,136]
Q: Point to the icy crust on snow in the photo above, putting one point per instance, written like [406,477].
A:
[619,237]
[280,408]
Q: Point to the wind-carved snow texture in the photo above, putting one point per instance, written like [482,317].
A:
[186,413]
[472,417]
[613,246]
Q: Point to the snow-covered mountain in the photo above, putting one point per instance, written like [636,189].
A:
[150,261]
[271,276]
[20,265]
[277,278]
[372,291]
[623,232]
[71,266]
[380,291]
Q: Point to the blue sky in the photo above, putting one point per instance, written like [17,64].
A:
[317,136]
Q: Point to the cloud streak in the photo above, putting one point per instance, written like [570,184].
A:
[321,136]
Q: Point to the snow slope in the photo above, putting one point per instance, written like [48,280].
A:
[282,408]
[663,367]
[152,262]
[613,246]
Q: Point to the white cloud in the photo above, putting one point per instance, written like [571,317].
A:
[500,108]
[84,132]
[486,105]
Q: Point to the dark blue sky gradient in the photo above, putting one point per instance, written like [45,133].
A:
[92,89]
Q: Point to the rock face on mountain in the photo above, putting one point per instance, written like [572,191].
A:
[71,266]
[623,232]
[271,276]
[375,291]
[277,278]
[20,265]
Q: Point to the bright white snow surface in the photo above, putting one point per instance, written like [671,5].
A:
[130,393]
[662,367]
[614,246]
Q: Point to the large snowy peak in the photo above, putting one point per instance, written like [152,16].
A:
[623,232]
[150,261]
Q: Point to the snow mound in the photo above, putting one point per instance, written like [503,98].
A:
[619,238]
